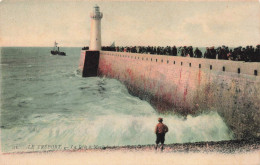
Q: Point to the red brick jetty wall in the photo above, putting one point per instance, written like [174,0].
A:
[190,85]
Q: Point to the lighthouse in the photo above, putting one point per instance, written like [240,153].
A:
[89,59]
[95,31]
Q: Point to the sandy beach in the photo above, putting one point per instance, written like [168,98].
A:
[130,158]
[203,153]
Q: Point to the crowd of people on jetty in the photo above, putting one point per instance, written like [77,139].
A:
[247,54]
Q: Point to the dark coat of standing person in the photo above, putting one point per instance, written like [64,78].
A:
[198,53]
[160,131]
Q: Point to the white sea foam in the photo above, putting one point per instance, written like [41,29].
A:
[112,129]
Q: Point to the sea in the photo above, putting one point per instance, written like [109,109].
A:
[47,105]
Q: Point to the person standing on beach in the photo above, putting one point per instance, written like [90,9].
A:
[160,131]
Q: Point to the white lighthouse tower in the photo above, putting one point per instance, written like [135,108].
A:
[95,31]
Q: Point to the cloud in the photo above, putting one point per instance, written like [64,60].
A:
[230,26]
[138,23]
[213,24]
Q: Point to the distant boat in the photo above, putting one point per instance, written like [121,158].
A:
[56,50]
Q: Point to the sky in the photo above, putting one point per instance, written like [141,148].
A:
[153,23]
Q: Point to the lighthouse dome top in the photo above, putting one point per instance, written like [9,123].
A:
[96,14]
[96,8]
